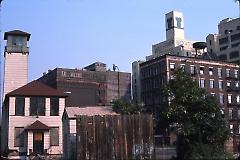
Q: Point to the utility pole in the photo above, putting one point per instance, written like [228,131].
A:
[114,69]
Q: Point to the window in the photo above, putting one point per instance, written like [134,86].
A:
[63,73]
[19,137]
[237,84]
[236,73]
[210,42]
[234,54]
[202,83]
[238,114]
[219,72]
[223,48]
[223,40]
[211,83]
[54,106]
[19,106]
[230,113]
[231,128]
[235,37]
[182,66]
[227,72]
[221,98]
[179,20]
[210,71]
[238,99]
[229,98]
[220,84]
[235,45]
[37,106]
[228,84]
[172,66]
[169,23]
[222,111]
[54,136]
[201,70]
[222,57]
[17,41]
[192,69]
[212,94]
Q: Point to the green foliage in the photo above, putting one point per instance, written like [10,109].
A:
[196,117]
[124,107]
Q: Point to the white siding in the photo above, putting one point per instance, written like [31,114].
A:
[73,126]
[30,141]
[15,71]
[47,141]
[27,106]
[11,106]
[47,107]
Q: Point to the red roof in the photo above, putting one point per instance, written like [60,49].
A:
[36,88]
[37,125]
[17,33]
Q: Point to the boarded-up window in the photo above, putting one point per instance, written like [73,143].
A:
[19,137]
[54,106]
[19,106]
[54,136]
[37,106]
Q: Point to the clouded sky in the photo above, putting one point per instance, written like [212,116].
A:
[75,33]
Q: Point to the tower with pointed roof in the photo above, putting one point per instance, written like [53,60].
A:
[15,60]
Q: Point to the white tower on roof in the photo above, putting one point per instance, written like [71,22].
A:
[174,25]
[15,60]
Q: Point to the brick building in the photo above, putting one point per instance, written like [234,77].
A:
[91,86]
[220,79]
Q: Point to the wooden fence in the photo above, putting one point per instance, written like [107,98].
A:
[118,137]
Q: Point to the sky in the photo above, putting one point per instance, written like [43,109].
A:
[76,33]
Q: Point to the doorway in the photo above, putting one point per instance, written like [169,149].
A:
[38,142]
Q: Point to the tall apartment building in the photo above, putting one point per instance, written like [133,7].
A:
[226,44]
[91,86]
[220,79]
[15,60]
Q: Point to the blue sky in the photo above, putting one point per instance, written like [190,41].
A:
[75,33]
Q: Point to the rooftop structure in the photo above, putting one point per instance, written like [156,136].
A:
[175,43]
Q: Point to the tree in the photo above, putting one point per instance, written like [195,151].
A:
[196,117]
[123,107]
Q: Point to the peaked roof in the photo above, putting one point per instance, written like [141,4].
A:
[37,125]
[36,88]
[17,33]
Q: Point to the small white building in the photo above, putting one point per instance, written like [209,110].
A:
[69,125]
[32,121]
